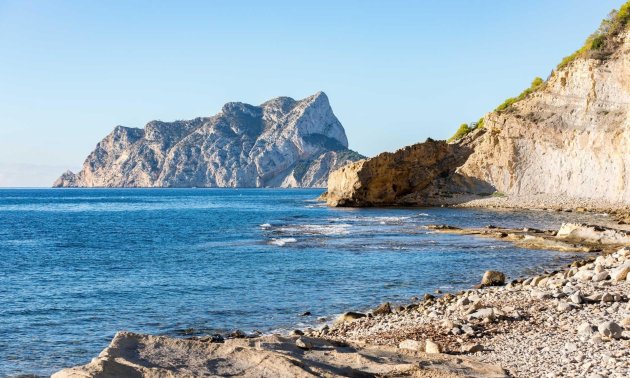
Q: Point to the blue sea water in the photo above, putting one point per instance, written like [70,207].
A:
[78,265]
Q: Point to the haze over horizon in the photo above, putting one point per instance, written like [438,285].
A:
[395,73]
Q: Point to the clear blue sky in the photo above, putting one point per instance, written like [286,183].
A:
[396,72]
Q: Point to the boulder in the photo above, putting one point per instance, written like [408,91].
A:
[610,329]
[432,347]
[484,313]
[621,273]
[493,278]
[601,276]
[584,275]
[303,344]
[350,316]
[414,345]
[383,309]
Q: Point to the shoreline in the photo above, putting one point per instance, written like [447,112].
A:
[481,328]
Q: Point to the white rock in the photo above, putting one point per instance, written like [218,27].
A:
[610,329]
[412,345]
[432,347]
[600,276]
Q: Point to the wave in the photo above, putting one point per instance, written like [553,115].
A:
[316,229]
[280,242]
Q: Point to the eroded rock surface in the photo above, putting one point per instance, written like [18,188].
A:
[281,143]
[396,178]
[135,355]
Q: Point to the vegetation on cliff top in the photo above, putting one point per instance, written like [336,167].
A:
[601,44]
[598,45]
[537,83]
[465,129]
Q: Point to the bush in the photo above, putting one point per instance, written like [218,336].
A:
[599,44]
[537,83]
[461,132]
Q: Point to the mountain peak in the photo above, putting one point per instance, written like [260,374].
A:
[282,142]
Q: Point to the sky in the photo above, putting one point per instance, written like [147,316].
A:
[396,72]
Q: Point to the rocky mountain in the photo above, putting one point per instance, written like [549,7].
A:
[566,136]
[281,143]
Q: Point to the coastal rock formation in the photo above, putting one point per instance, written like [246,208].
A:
[281,143]
[135,355]
[396,178]
[567,137]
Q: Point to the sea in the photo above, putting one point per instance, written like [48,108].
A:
[78,265]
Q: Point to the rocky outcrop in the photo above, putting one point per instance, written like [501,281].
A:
[281,143]
[135,355]
[407,176]
[570,137]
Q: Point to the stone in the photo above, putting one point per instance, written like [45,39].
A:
[610,329]
[412,345]
[281,143]
[296,332]
[493,278]
[484,313]
[621,273]
[303,344]
[625,323]
[468,330]
[471,348]
[463,301]
[601,276]
[432,347]
[585,329]
[607,297]
[565,307]
[349,317]
[456,331]
[540,295]
[383,309]
[306,313]
[584,275]
[576,298]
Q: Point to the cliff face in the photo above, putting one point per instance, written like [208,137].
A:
[281,143]
[570,137]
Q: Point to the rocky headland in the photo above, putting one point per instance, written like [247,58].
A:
[565,139]
[281,143]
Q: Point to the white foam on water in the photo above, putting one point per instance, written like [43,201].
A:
[317,229]
[280,242]
[265,226]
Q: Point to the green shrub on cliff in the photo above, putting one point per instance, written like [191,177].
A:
[601,44]
[465,128]
[537,83]
[461,132]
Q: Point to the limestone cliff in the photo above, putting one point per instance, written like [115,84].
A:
[568,137]
[281,143]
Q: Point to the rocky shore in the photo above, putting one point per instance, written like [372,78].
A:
[573,322]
